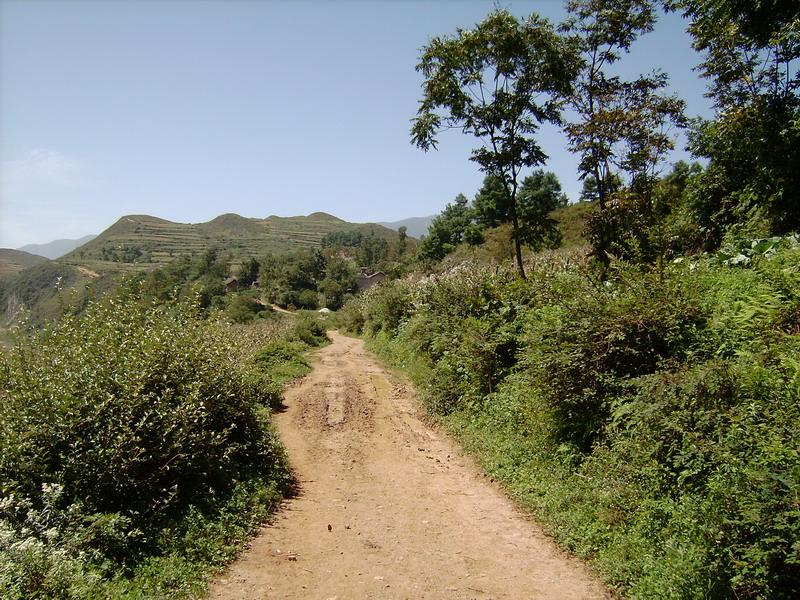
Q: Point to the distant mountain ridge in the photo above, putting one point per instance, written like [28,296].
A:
[415,226]
[56,248]
[137,242]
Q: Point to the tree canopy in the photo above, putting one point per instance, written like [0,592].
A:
[497,82]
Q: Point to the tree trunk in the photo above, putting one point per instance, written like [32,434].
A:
[517,245]
[511,190]
[601,252]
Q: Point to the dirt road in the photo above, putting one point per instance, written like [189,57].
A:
[388,507]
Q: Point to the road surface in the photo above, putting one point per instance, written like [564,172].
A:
[388,507]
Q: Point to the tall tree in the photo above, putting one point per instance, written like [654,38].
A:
[497,82]
[589,191]
[248,272]
[751,58]
[602,31]
[491,203]
[621,125]
[402,241]
[539,195]
[372,251]
[447,229]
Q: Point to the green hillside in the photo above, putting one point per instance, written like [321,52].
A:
[14,261]
[571,222]
[138,242]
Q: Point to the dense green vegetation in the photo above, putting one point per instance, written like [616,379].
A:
[38,292]
[638,394]
[539,209]
[136,453]
[637,389]
[650,422]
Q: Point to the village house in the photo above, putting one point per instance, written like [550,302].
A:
[366,281]
[231,284]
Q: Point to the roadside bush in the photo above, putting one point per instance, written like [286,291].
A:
[652,421]
[114,426]
[583,354]
[283,360]
[350,318]
[387,306]
[309,330]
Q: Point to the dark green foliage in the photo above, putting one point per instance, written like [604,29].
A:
[352,238]
[539,195]
[243,308]
[309,330]
[372,252]
[590,191]
[387,306]
[652,421]
[620,125]
[585,354]
[186,276]
[292,279]
[497,82]
[339,282]
[649,228]
[751,59]
[124,253]
[447,229]
[491,202]
[248,272]
[125,435]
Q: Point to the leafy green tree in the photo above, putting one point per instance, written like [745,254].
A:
[602,31]
[539,194]
[447,229]
[351,238]
[340,280]
[620,125]
[645,131]
[284,276]
[242,309]
[491,203]
[304,270]
[308,299]
[248,272]
[751,58]
[402,240]
[211,263]
[497,82]
[590,191]
[372,251]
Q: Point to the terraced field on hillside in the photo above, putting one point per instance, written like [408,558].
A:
[138,242]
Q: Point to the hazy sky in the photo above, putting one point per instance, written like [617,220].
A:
[189,109]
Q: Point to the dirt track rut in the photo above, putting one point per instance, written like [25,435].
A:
[388,507]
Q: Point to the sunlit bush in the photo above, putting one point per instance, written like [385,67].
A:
[116,423]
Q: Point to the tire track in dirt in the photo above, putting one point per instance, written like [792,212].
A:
[388,507]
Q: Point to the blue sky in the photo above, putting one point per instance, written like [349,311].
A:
[189,109]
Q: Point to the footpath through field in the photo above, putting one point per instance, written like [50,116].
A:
[388,507]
